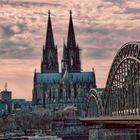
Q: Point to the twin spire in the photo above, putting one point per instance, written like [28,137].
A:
[49,35]
[71,58]
[71,35]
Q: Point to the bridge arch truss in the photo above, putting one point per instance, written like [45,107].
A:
[122,92]
[94,106]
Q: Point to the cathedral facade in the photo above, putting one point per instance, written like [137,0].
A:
[56,90]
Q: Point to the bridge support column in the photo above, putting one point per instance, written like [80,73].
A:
[100,132]
[138,133]
[94,132]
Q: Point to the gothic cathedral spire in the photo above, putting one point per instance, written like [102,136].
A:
[49,35]
[71,59]
[71,42]
[49,62]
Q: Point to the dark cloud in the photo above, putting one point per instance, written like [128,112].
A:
[22,26]
[16,49]
[13,47]
[118,2]
[99,53]
[129,10]
[104,37]
[135,17]
[7,31]
[11,29]
[8,44]
[13,52]
[27,4]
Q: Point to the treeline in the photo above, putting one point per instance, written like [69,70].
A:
[30,122]
[26,122]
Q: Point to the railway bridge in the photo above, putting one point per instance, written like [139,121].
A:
[119,104]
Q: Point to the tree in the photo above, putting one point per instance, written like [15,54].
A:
[7,124]
[27,121]
[24,121]
[42,120]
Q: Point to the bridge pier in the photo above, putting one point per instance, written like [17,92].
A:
[138,133]
[95,132]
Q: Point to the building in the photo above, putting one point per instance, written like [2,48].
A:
[56,90]
[5,101]
[21,105]
[9,105]
[6,95]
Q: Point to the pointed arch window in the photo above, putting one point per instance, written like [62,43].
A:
[50,94]
[72,61]
[60,91]
[75,90]
[51,62]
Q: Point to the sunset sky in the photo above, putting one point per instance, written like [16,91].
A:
[101,28]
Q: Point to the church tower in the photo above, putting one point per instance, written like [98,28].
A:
[71,52]
[49,62]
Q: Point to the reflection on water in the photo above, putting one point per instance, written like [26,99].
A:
[114,134]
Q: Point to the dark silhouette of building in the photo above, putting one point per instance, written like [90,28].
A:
[6,95]
[71,52]
[49,62]
[5,101]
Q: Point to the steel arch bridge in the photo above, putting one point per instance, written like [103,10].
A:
[122,91]
[94,106]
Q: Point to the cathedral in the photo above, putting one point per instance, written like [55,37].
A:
[56,90]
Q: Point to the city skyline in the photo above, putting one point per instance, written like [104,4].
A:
[101,28]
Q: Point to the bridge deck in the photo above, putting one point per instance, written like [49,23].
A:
[131,119]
